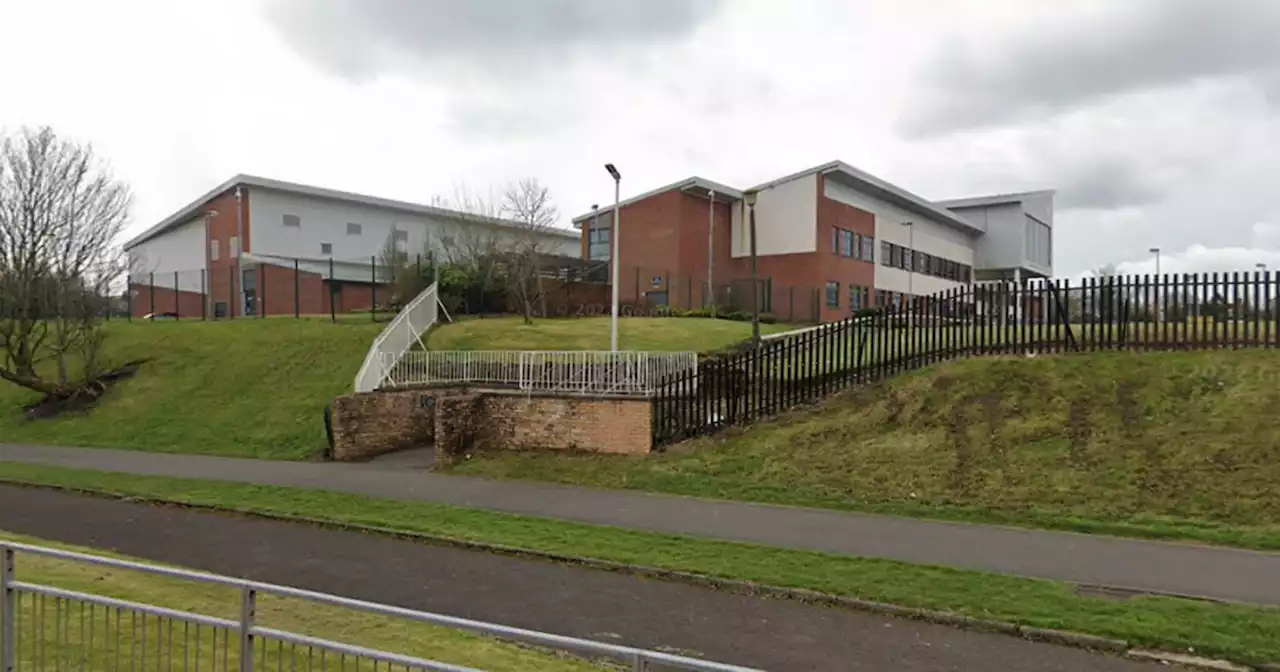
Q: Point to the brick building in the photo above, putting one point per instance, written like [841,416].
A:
[834,232]
[253,243]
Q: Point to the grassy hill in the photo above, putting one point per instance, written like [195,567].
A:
[258,388]
[243,387]
[1165,444]
[592,333]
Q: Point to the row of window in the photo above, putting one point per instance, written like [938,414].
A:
[897,256]
[215,248]
[853,245]
[599,240]
[864,297]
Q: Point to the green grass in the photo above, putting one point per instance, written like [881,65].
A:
[1166,445]
[246,387]
[592,333]
[1241,632]
[66,647]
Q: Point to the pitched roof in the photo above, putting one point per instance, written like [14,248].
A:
[687,183]
[196,207]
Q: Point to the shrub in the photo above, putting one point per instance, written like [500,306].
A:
[768,318]
[701,312]
[737,316]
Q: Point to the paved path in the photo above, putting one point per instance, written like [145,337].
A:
[767,633]
[1221,573]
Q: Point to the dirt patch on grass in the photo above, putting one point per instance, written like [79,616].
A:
[82,398]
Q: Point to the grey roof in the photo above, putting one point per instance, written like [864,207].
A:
[864,179]
[687,183]
[196,207]
[994,199]
[882,189]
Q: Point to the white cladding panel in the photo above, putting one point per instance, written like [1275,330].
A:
[325,221]
[179,249]
[786,219]
[924,234]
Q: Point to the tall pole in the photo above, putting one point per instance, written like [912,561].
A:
[709,299]
[1159,309]
[755,275]
[613,259]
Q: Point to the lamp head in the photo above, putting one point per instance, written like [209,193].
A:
[613,170]
[750,198]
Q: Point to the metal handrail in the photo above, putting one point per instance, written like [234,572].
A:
[247,630]
[405,329]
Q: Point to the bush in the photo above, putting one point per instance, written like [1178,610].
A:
[865,312]
[701,312]
[737,316]
[768,318]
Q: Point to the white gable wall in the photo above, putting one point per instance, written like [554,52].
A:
[180,249]
[786,219]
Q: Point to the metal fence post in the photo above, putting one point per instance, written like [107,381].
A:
[248,611]
[333,310]
[297,298]
[8,612]
[373,289]
[151,280]
[177,302]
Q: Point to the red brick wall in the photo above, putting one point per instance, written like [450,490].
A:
[833,267]
[185,303]
[224,279]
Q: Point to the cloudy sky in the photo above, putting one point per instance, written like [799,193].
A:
[1158,121]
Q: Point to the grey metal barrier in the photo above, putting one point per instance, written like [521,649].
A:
[44,627]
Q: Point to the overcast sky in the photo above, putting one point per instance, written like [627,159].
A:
[1156,120]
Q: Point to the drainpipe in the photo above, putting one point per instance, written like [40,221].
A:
[240,251]
[711,241]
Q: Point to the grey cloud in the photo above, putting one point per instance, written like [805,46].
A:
[1070,60]
[363,38]
[1107,184]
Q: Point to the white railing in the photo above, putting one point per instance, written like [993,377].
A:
[397,338]
[625,373]
[246,644]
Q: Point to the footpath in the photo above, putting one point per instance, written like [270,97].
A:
[607,606]
[1161,567]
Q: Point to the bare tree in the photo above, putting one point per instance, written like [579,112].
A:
[528,204]
[61,210]
[470,243]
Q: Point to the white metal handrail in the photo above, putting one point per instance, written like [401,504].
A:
[397,338]
[247,631]
[585,372]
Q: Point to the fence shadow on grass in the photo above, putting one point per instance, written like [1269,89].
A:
[1127,313]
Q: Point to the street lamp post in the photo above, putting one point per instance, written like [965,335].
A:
[750,198]
[613,258]
[709,299]
[911,265]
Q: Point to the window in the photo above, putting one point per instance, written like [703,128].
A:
[291,221]
[833,295]
[354,229]
[855,298]
[235,246]
[599,240]
[886,252]
[846,243]
[447,241]
[835,241]
[868,249]
[213,249]
[326,248]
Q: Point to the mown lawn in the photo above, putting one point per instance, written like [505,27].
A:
[246,387]
[1167,445]
[673,334]
[61,639]
[1242,632]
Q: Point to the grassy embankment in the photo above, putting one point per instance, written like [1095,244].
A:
[1166,445]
